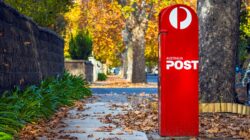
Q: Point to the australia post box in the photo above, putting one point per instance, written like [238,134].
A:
[178,71]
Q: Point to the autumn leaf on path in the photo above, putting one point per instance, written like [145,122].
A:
[104,129]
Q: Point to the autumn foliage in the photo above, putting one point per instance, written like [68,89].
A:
[105,21]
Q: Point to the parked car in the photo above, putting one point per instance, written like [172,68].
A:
[155,71]
[115,71]
[246,83]
[248,93]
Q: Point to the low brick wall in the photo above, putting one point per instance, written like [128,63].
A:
[28,53]
[80,67]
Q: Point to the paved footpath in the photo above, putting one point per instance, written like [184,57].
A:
[86,125]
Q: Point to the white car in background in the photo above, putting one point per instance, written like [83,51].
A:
[155,71]
[246,82]
[115,71]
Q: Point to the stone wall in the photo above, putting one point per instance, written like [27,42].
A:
[80,67]
[28,53]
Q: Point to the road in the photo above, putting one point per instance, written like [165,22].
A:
[152,78]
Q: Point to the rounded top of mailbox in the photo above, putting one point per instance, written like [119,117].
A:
[177,17]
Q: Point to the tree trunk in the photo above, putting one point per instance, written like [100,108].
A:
[124,65]
[139,75]
[136,58]
[219,33]
[130,63]
[136,26]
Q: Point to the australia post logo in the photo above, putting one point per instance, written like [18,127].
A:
[178,63]
[180,17]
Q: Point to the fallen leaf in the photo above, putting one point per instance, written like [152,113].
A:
[90,136]
[104,129]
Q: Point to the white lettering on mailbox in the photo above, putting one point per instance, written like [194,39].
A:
[179,65]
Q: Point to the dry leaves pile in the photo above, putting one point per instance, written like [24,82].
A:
[46,128]
[114,81]
[43,127]
[104,129]
[141,114]
[225,125]
[144,117]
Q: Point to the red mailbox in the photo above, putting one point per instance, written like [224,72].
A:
[178,71]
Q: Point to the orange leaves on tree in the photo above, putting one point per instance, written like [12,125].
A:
[151,50]
[104,21]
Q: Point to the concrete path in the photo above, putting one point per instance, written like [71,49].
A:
[86,124]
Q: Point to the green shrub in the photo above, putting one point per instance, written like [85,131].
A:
[4,136]
[102,77]
[80,46]
[39,102]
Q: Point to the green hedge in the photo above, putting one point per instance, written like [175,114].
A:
[102,77]
[80,46]
[18,108]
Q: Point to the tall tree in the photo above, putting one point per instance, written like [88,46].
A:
[47,13]
[104,20]
[243,55]
[151,49]
[219,33]
[141,22]
[136,27]
[72,18]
